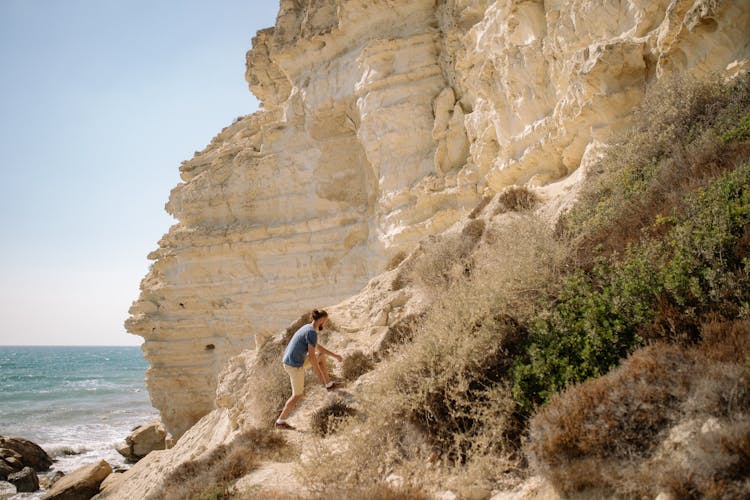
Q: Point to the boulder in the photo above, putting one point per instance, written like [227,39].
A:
[143,440]
[81,484]
[6,469]
[32,455]
[7,490]
[25,481]
[46,482]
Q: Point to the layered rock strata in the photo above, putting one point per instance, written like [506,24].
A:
[384,121]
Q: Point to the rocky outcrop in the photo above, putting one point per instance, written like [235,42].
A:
[384,122]
[25,480]
[19,453]
[143,440]
[81,484]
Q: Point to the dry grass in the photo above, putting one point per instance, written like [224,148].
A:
[326,419]
[447,258]
[211,475]
[515,199]
[441,397]
[377,491]
[355,365]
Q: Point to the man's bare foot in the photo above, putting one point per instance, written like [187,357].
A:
[284,425]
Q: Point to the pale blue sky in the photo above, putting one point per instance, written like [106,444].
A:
[100,101]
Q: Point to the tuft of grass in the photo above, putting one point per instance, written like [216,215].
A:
[355,365]
[326,419]
[447,258]
[515,199]
[374,491]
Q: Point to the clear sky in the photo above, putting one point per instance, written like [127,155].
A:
[100,101]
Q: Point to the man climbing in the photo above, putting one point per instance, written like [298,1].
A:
[304,351]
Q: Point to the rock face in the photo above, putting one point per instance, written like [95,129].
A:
[382,122]
[81,484]
[143,440]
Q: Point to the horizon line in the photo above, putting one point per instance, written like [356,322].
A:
[68,345]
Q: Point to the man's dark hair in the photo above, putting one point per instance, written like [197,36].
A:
[318,313]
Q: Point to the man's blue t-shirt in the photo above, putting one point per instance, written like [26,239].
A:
[296,350]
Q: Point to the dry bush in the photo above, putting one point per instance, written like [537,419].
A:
[668,419]
[515,199]
[271,386]
[326,419]
[210,475]
[355,365]
[447,258]
[442,398]
[726,341]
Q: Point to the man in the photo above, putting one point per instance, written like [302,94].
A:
[304,351]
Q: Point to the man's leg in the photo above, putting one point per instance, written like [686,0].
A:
[323,364]
[289,406]
[297,380]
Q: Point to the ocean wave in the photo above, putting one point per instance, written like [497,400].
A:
[91,384]
[65,450]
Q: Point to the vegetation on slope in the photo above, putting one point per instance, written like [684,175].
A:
[526,324]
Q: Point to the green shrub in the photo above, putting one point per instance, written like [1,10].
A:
[601,315]
[672,149]
[739,133]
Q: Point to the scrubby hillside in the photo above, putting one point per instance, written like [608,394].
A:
[605,352]
[609,354]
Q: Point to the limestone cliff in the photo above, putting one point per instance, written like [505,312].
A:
[384,121]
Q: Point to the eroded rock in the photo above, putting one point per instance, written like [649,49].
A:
[25,481]
[143,440]
[17,451]
[81,484]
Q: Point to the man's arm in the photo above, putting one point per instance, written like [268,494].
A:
[330,353]
[314,361]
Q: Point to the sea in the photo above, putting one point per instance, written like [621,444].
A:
[75,402]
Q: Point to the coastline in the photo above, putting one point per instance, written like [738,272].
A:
[76,402]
